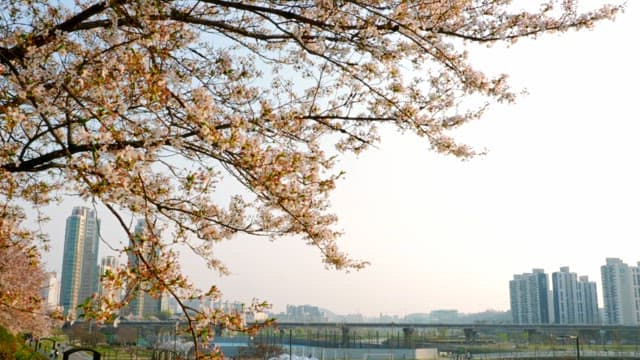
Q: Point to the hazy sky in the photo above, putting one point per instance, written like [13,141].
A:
[560,186]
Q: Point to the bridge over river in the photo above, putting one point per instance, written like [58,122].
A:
[343,333]
[452,340]
[477,326]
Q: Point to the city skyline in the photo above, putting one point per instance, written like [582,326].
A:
[561,283]
[556,188]
[565,298]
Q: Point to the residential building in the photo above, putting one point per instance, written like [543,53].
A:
[552,312]
[529,298]
[565,296]
[587,301]
[635,282]
[619,293]
[79,279]
[575,300]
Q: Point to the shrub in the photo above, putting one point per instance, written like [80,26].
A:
[12,348]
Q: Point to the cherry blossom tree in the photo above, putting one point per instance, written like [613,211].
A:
[21,277]
[144,106]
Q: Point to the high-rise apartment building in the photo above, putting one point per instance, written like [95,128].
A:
[79,278]
[529,298]
[142,304]
[587,301]
[575,298]
[565,296]
[635,283]
[620,292]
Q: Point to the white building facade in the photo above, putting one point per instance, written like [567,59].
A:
[620,293]
[50,291]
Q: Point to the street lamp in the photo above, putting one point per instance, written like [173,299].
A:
[175,334]
[290,348]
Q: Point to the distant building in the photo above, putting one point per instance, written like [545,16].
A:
[552,311]
[255,316]
[351,318]
[142,305]
[246,313]
[228,306]
[565,296]
[107,264]
[388,318]
[575,300]
[529,298]
[79,259]
[488,316]
[417,318]
[171,305]
[444,316]
[50,291]
[635,281]
[211,303]
[302,313]
[620,292]
[587,301]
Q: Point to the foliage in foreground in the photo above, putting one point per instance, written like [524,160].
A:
[12,348]
[145,106]
[21,277]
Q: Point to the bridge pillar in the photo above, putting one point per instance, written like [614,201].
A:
[407,338]
[469,335]
[345,336]
[532,334]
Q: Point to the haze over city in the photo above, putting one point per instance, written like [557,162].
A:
[557,187]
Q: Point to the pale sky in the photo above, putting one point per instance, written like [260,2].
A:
[560,186]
